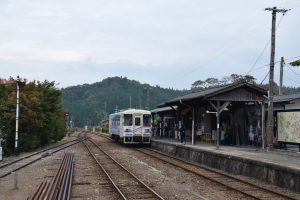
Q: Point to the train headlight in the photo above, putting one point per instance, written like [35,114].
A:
[147,131]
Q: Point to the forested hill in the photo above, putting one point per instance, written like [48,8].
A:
[90,103]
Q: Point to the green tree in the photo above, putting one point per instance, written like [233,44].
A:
[88,104]
[295,63]
[41,118]
[233,78]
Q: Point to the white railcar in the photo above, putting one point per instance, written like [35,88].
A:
[131,126]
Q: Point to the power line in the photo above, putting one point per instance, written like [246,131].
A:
[260,55]
[293,71]
[265,77]
[246,30]
[264,49]
[293,80]
[292,58]
[276,62]
[287,66]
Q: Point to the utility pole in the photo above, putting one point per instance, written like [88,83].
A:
[281,75]
[116,109]
[146,89]
[270,122]
[129,101]
[105,114]
[148,99]
[140,101]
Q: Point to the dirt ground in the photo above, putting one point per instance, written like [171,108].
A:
[89,182]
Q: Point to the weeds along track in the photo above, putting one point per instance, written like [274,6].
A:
[124,182]
[15,165]
[231,183]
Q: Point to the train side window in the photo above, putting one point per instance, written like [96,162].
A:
[127,120]
[137,121]
[147,120]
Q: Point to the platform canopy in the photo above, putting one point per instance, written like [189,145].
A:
[164,109]
[236,92]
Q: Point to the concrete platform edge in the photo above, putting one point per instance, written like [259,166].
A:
[268,172]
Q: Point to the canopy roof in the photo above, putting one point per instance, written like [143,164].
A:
[241,91]
[286,97]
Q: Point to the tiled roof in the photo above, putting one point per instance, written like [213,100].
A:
[286,97]
[212,91]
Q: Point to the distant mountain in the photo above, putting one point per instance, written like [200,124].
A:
[88,104]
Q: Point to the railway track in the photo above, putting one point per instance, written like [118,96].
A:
[124,182]
[231,183]
[15,165]
[249,190]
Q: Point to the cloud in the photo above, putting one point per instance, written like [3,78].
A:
[171,43]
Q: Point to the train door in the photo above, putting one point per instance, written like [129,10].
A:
[137,129]
[137,124]
[127,128]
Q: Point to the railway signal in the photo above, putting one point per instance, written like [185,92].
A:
[20,83]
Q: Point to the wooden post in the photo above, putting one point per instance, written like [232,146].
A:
[193,128]
[270,123]
[263,124]
[218,124]
[218,110]
[281,76]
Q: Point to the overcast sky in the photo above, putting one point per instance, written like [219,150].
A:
[170,43]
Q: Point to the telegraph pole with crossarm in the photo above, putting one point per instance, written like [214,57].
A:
[270,122]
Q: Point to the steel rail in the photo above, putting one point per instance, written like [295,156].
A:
[213,171]
[54,187]
[35,160]
[68,196]
[135,177]
[67,181]
[40,190]
[106,173]
[229,187]
[60,186]
[33,154]
[102,135]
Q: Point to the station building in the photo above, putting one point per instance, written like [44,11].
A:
[236,109]
[233,111]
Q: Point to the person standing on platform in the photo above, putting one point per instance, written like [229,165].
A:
[182,134]
[158,130]
[251,136]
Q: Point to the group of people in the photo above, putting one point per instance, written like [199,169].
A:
[252,137]
[181,132]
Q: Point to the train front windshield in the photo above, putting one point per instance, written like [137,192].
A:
[147,120]
[127,120]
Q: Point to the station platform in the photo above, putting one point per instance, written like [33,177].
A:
[277,167]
